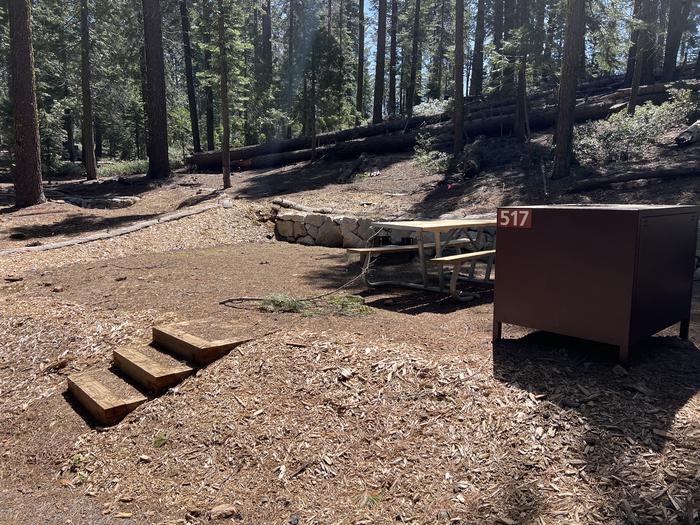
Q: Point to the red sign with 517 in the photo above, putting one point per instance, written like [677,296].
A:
[515,218]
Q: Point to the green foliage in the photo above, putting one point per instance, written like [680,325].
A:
[284,303]
[160,440]
[428,158]
[348,305]
[343,305]
[623,137]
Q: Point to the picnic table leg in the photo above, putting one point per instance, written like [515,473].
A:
[421,257]
[489,266]
[438,253]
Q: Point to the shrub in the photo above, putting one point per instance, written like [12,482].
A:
[432,107]
[428,158]
[622,137]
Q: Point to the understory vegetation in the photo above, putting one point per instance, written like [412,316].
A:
[343,305]
[623,136]
[122,168]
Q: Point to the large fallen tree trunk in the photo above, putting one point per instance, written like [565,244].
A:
[477,109]
[540,119]
[686,170]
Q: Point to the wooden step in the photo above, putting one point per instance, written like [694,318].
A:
[202,341]
[150,368]
[104,395]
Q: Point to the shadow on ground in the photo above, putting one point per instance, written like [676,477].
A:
[304,177]
[75,224]
[628,414]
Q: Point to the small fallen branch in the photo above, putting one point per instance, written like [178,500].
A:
[284,203]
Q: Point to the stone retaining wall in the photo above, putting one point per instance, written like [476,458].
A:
[315,229]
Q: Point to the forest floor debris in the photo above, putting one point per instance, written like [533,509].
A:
[330,418]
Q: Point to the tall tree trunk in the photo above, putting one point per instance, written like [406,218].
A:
[573,42]
[224,110]
[208,91]
[677,19]
[26,171]
[415,39]
[435,80]
[69,126]
[458,139]
[359,89]
[392,56]
[377,113]
[158,164]
[650,13]
[634,37]
[290,68]
[98,138]
[266,51]
[498,24]
[636,79]
[521,127]
[189,76]
[87,129]
[477,83]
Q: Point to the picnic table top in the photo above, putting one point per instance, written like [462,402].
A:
[439,225]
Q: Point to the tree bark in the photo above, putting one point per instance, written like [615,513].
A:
[225,121]
[458,123]
[677,19]
[266,51]
[411,91]
[498,24]
[392,56]
[189,76]
[377,113]
[158,163]
[573,42]
[69,126]
[360,75]
[521,128]
[208,91]
[634,38]
[477,83]
[89,159]
[26,170]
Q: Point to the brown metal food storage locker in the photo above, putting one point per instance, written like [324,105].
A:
[611,274]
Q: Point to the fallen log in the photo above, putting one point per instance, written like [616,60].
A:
[686,170]
[540,119]
[690,135]
[478,109]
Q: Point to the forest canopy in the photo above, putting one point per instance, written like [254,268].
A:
[297,67]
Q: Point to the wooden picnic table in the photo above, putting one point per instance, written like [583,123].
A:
[445,233]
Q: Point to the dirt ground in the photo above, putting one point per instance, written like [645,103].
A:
[404,414]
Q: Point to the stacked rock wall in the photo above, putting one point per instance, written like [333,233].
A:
[315,229]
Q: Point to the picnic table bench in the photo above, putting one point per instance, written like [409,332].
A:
[450,229]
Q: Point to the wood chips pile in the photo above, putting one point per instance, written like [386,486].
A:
[314,428]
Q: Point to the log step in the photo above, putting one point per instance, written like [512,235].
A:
[150,368]
[200,342]
[104,395]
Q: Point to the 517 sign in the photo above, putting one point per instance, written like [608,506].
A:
[515,218]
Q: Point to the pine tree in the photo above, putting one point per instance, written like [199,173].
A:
[189,75]
[458,119]
[158,163]
[573,42]
[26,171]
[377,113]
[87,129]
